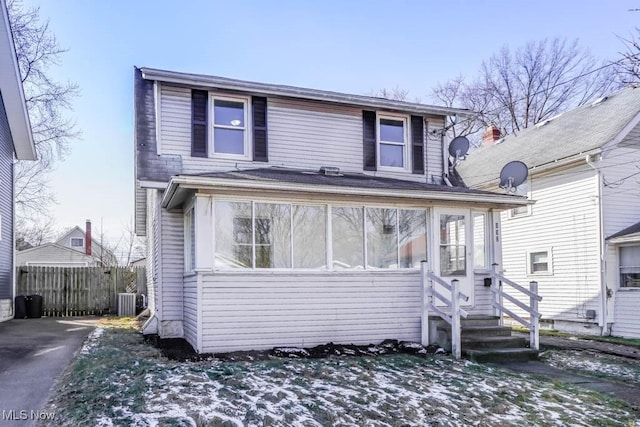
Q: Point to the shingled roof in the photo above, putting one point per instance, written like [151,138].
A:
[556,141]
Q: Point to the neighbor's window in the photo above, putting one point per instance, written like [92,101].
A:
[309,236]
[630,266]
[77,242]
[392,141]
[540,262]
[189,241]
[229,118]
[522,190]
[347,237]
[453,249]
[479,240]
[382,238]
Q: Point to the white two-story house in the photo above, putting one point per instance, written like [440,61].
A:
[285,216]
[580,239]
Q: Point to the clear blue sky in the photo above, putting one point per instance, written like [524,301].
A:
[345,46]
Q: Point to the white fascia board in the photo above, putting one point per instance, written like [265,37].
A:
[623,133]
[158,185]
[200,80]
[631,238]
[13,92]
[207,183]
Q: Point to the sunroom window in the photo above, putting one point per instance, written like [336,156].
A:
[281,235]
[229,118]
[392,141]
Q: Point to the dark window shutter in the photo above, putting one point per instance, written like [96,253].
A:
[369,140]
[260,143]
[199,100]
[417,144]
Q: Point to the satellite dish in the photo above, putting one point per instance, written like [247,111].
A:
[458,148]
[513,174]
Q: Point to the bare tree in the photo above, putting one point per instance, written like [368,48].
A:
[130,247]
[30,234]
[516,90]
[628,66]
[47,102]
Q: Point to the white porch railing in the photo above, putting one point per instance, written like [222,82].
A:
[429,293]
[499,295]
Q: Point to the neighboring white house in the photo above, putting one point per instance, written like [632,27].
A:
[284,216]
[70,250]
[584,175]
[16,142]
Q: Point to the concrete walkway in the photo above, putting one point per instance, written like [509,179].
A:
[33,354]
[627,392]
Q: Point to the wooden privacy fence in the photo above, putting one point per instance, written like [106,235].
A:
[79,291]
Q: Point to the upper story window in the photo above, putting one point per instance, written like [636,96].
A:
[77,242]
[229,118]
[392,142]
[232,127]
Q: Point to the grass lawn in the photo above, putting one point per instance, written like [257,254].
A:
[118,380]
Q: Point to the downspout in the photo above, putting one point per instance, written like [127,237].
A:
[602,322]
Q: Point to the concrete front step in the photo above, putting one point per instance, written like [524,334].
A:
[479,331]
[501,355]
[473,343]
[480,320]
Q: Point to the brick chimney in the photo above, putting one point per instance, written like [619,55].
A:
[87,238]
[491,135]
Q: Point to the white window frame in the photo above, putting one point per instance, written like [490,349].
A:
[212,126]
[328,207]
[189,257]
[620,266]
[486,243]
[405,150]
[71,245]
[512,214]
[549,271]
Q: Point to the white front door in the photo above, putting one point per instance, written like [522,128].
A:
[453,256]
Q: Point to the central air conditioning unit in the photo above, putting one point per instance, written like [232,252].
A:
[126,305]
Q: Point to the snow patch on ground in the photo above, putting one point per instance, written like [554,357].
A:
[92,341]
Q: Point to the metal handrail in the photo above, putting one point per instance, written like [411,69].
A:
[497,280]
[428,295]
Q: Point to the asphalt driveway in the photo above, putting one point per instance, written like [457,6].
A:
[33,354]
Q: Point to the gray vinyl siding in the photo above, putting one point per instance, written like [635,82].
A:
[153,253]
[190,321]
[6,206]
[433,151]
[621,194]
[172,264]
[261,311]
[140,211]
[627,320]
[564,220]
[301,134]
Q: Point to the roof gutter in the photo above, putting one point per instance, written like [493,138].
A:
[13,92]
[207,183]
[207,82]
